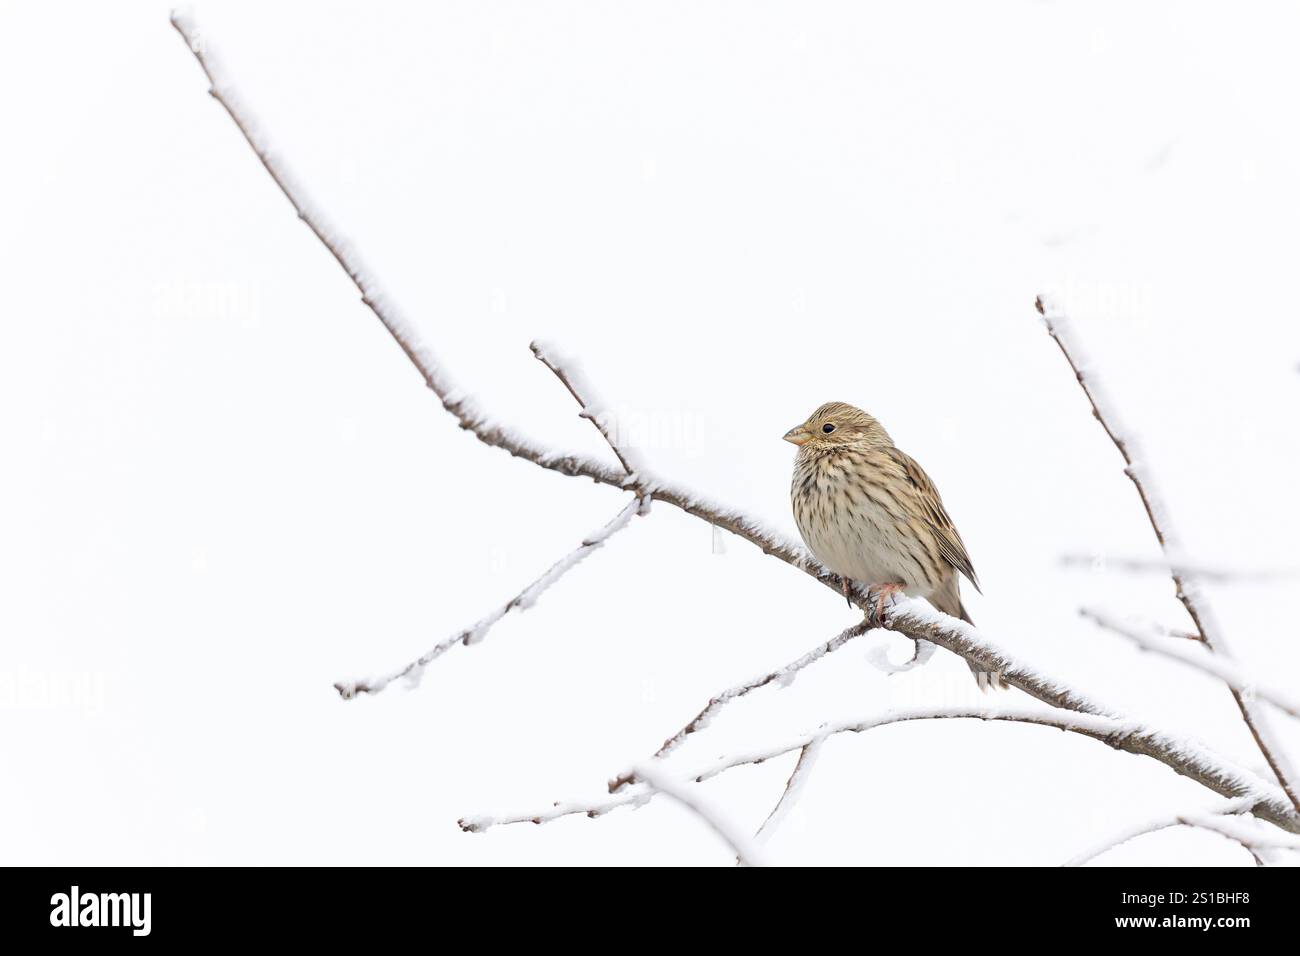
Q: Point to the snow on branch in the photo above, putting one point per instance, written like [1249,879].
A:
[1198,608]
[793,789]
[1062,333]
[1213,665]
[652,781]
[1237,805]
[223,91]
[1230,820]
[654,777]
[520,602]
[568,372]
[782,676]
[1246,831]
[599,808]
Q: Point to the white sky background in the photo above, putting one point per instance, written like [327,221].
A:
[225,487]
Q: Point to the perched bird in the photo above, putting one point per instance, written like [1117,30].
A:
[870,513]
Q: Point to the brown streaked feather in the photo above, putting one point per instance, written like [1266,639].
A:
[930,507]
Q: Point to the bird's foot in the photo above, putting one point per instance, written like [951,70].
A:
[883,596]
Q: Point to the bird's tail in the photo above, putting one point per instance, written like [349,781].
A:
[987,680]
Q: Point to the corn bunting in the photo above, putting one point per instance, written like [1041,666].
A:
[870,513]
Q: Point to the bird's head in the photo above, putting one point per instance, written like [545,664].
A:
[837,424]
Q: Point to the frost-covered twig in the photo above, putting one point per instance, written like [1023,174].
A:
[1261,797]
[1198,608]
[793,789]
[566,370]
[654,777]
[1213,665]
[1237,805]
[1242,829]
[1230,820]
[556,810]
[652,781]
[781,676]
[477,631]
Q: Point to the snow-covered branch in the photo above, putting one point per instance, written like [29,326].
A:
[793,789]
[593,809]
[1256,794]
[1230,820]
[567,372]
[1213,665]
[1198,608]
[1246,831]
[782,676]
[652,781]
[594,410]
[520,602]
[1237,805]
[658,781]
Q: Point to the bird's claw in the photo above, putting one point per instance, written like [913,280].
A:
[882,598]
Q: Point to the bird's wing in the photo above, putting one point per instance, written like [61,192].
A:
[931,508]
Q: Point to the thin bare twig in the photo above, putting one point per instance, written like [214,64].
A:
[1197,606]
[520,602]
[1212,665]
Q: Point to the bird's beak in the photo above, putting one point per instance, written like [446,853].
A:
[797,435]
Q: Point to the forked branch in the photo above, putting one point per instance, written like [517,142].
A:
[1254,794]
[520,602]
[1211,665]
[1198,608]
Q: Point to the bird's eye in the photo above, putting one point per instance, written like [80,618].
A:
[828,428]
